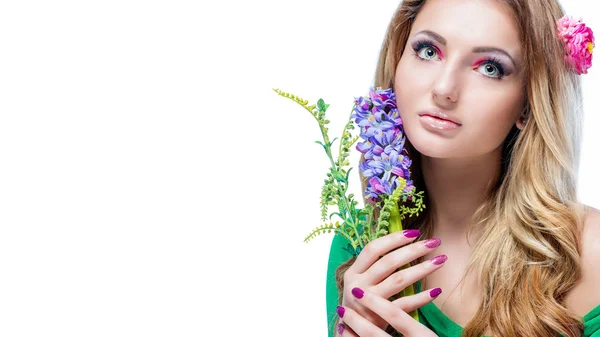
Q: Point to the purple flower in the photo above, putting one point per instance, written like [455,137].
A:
[390,164]
[370,149]
[362,108]
[389,140]
[377,121]
[383,100]
[386,159]
[380,186]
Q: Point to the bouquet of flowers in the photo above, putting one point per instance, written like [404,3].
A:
[386,169]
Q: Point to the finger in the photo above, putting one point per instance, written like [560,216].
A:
[345,331]
[398,319]
[359,325]
[405,277]
[416,301]
[381,246]
[400,257]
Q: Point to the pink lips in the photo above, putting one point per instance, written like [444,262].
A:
[437,120]
[439,115]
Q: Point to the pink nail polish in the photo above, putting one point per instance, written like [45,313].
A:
[435,292]
[439,259]
[411,233]
[341,311]
[340,328]
[432,243]
[358,293]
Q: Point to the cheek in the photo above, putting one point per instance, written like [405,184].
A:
[492,117]
[405,95]
[414,75]
[494,104]
[412,93]
[409,86]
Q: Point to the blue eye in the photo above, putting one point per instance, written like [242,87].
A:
[492,68]
[425,50]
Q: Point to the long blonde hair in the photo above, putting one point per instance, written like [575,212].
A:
[527,257]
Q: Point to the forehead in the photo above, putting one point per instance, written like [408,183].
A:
[471,23]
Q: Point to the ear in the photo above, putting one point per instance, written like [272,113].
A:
[520,123]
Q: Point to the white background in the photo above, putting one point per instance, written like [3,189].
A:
[152,183]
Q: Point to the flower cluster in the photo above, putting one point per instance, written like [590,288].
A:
[386,166]
[579,40]
[386,159]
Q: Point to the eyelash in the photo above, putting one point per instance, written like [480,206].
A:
[488,60]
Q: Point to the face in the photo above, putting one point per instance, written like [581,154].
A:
[457,83]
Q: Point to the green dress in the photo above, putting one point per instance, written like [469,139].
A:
[429,314]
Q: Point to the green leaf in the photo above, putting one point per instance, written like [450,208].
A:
[323,145]
[335,213]
[321,105]
[348,174]
[339,177]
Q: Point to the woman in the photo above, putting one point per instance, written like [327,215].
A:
[491,112]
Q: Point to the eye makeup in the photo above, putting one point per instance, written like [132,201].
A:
[496,63]
[420,44]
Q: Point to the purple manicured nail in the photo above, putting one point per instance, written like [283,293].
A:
[439,259]
[432,243]
[411,233]
[358,293]
[341,311]
[435,292]
[341,328]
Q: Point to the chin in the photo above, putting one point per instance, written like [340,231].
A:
[431,145]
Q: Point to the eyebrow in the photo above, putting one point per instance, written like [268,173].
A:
[441,40]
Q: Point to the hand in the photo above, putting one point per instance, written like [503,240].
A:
[355,325]
[379,276]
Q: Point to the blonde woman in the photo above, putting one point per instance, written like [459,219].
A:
[491,110]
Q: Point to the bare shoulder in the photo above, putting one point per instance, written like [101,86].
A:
[585,296]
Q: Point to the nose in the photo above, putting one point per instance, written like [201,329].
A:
[445,88]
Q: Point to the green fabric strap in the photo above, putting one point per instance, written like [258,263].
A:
[445,327]
[337,256]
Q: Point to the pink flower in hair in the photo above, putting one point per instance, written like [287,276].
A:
[579,40]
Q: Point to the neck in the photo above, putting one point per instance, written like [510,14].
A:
[456,187]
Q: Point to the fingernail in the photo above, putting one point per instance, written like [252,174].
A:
[358,293]
[439,259]
[341,328]
[435,292]
[341,311]
[432,243]
[411,233]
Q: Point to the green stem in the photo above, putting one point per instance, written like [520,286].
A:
[343,194]
[345,129]
[396,226]
[342,233]
[395,220]
[353,222]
